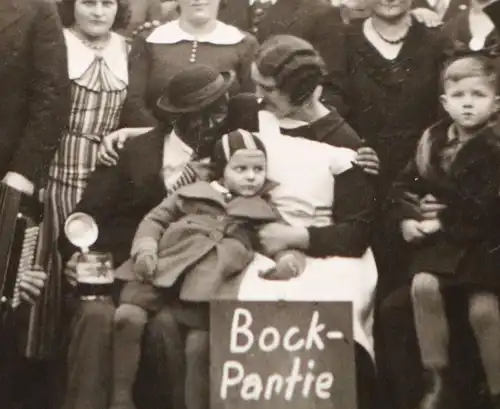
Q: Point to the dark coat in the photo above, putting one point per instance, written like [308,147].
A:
[202,237]
[468,246]
[316,21]
[119,197]
[34,84]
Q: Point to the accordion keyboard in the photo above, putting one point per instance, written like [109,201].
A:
[26,258]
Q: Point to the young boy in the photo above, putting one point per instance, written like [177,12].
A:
[458,163]
[188,245]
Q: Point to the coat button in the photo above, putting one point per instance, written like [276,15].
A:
[216,235]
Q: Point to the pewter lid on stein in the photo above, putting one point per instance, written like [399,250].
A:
[81,230]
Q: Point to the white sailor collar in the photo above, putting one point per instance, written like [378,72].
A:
[290,123]
[171,33]
[80,57]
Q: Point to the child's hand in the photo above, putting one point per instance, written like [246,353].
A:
[412,230]
[430,226]
[145,264]
[289,265]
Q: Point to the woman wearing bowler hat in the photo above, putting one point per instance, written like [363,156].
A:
[150,167]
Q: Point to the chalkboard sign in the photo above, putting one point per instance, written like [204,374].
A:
[273,355]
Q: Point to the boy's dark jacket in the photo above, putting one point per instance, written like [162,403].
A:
[469,243]
[201,237]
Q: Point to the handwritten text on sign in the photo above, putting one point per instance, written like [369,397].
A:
[272,352]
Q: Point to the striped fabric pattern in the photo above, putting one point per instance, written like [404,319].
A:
[97,99]
[95,112]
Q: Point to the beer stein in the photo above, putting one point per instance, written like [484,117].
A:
[94,270]
[94,275]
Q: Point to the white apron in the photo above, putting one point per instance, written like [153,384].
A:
[305,171]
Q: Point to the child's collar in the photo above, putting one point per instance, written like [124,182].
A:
[269,185]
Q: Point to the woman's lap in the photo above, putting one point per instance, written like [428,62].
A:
[330,279]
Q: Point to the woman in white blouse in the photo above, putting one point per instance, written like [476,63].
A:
[97,67]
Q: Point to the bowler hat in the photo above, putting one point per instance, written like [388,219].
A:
[194,88]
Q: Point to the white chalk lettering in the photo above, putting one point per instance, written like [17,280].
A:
[227,379]
[242,329]
[324,383]
[274,335]
[293,379]
[308,379]
[252,387]
[313,334]
[274,384]
[287,340]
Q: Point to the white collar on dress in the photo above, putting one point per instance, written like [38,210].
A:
[80,57]
[171,33]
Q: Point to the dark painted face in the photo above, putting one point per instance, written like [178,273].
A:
[200,130]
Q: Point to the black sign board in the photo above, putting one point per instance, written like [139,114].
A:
[274,355]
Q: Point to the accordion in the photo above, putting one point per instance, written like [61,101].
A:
[20,218]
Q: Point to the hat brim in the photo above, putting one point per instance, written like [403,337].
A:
[165,105]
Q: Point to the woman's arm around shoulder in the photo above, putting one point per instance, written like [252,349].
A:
[353,213]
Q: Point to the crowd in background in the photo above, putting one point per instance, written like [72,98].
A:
[373,154]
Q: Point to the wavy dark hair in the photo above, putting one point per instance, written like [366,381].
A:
[67,13]
[295,66]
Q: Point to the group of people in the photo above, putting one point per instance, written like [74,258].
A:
[280,150]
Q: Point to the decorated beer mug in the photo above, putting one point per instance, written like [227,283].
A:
[94,270]
[94,275]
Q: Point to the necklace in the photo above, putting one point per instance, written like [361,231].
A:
[96,45]
[395,41]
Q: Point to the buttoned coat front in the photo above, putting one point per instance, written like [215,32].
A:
[467,249]
[201,237]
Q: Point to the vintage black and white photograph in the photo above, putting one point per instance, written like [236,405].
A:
[249,204]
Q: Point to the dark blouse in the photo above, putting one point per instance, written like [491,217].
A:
[389,103]
[152,66]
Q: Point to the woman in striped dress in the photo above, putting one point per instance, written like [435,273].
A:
[98,70]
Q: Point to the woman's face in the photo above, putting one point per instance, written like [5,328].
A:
[391,9]
[94,18]
[199,11]
[273,99]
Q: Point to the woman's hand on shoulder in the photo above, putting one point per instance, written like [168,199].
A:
[109,150]
[427,17]
[111,144]
[367,159]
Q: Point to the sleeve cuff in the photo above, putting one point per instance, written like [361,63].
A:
[143,244]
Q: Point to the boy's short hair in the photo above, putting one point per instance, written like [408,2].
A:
[469,66]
